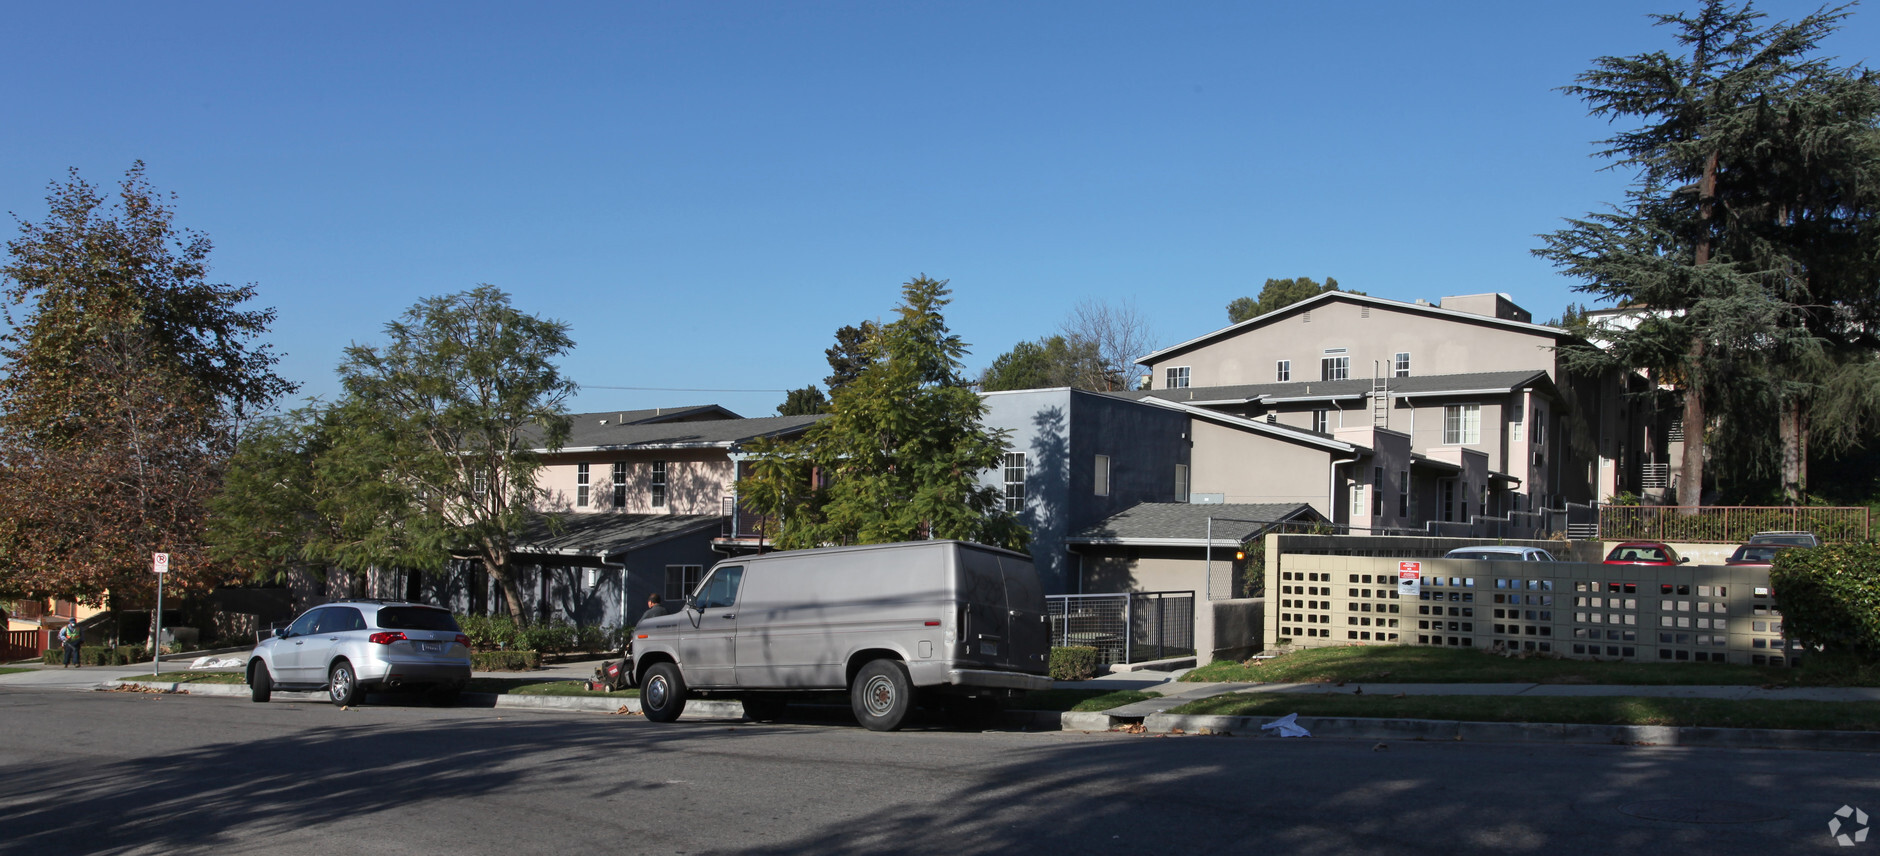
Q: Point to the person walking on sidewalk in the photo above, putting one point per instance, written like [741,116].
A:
[70,637]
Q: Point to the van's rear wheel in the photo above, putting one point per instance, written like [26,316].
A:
[662,694]
[882,695]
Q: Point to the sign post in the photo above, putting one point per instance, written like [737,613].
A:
[1409,579]
[159,565]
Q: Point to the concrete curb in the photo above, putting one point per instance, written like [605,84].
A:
[1357,728]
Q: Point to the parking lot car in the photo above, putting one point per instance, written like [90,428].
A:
[1791,539]
[959,625]
[1644,553]
[1757,554]
[1501,552]
[351,647]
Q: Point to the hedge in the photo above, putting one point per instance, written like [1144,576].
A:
[505,661]
[1830,596]
[99,655]
[1073,664]
[501,633]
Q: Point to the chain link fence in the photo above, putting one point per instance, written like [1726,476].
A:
[1131,627]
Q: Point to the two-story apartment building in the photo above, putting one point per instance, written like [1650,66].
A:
[1471,383]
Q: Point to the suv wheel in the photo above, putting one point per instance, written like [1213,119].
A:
[342,685]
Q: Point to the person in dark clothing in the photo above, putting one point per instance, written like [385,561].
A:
[654,608]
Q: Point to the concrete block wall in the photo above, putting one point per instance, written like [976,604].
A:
[1689,613]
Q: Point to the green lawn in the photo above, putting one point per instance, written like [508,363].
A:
[1419,665]
[8,670]
[1610,710]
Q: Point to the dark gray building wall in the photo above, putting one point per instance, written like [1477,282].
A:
[568,596]
[1061,431]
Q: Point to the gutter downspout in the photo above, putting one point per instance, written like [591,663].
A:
[1331,489]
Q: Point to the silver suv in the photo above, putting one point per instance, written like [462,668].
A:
[352,647]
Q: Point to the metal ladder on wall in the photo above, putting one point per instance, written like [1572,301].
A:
[1380,398]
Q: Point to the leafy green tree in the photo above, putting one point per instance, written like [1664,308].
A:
[900,456]
[128,378]
[463,398]
[1051,362]
[1738,147]
[807,401]
[852,354]
[1278,294]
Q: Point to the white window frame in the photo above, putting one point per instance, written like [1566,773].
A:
[1102,475]
[686,576]
[1176,377]
[581,484]
[1181,483]
[1322,421]
[1014,471]
[656,485]
[1462,424]
[1400,364]
[1335,364]
[620,484]
[1282,371]
[1515,425]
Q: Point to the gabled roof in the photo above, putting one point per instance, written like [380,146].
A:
[1348,297]
[701,434]
[656,414]
[599,536]
[1182,524]
[1475,383]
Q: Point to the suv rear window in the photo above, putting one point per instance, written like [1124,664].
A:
[416,618]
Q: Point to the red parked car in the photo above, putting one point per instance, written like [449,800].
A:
[1644,553]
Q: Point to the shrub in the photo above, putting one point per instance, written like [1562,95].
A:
[1830,596]
[490,633]
[99,655]
[505,661]
[552,638]
[1073,664]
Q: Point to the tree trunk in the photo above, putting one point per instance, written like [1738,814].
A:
[1793,425]
[512,595]
[1691,469]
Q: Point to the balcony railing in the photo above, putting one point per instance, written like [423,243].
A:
[1655,476]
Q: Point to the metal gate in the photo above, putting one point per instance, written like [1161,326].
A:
[1131,627]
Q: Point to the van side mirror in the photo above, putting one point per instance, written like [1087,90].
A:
[691,602]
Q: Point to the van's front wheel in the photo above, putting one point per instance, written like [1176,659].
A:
[882,695]
[662,693]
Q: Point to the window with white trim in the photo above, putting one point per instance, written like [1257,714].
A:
[1403,494]
[1377,491]
[1014,481]
[581,485]
[620,484]
[1336,365]
[1282,371]
[1515,426]
[1400,366]
[1540,426]
[681,580]
[1103,475]
[1462,424]
[1177,377]
[1322,421]
[1181,482]
[658,484]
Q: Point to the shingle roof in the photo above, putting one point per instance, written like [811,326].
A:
[1182,522]
[1352,388]
[707,433]
[603,532]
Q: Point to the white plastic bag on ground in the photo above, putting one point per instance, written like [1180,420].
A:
[1287,726]
[215,662]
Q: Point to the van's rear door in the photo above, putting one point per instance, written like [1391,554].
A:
[1001,612]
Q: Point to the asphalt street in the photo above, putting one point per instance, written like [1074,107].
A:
[90,772]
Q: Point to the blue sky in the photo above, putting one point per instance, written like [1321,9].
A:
[706,191]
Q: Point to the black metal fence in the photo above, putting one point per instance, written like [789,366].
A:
[1131,627]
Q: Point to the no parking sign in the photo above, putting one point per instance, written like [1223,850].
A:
[1409,578]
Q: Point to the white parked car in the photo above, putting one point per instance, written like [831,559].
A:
[352,647]
[1502,553]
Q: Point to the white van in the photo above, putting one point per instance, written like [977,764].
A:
[891,624]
